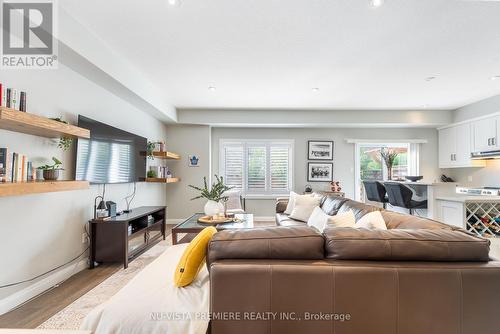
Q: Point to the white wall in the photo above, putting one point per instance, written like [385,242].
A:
[39,232]
[187,140]
[343,154]
[481,108]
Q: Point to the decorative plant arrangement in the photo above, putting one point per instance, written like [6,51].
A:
[150,149]
[151,174]
[64,142]
[214,195]
[52,172]
[389,156]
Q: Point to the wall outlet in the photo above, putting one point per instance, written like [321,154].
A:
[85,238]
[469,178]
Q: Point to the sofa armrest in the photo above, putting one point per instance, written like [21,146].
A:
[281,204]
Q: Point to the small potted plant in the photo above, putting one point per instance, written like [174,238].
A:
[64,142]
[214,195]
[150,149]
[52,172]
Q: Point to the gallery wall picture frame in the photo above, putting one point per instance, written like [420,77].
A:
[319,171]
[320,149]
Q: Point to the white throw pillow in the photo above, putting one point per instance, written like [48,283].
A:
[291,203]
[372,220]
[318,219]
[346,219]
[304,206]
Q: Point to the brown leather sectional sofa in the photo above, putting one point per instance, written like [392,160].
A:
[419,276]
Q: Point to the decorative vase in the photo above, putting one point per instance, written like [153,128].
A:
[51,174]
[389,173]
[213,208]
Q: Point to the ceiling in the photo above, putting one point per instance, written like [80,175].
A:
[272,53]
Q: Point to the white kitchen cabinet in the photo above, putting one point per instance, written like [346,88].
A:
[485,134]
[455,147]
[451,213]
[446,147]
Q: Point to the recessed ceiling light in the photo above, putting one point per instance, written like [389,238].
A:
[430,78]
[174,2]
[495,77]
[211,88]
[315,89]
[377,3]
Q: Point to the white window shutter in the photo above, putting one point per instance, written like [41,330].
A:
[280,169]
[256,166]
[233,166]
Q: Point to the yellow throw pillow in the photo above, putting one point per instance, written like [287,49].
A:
[193,258]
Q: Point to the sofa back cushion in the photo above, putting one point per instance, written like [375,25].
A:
[332,204]
[395,220]
[404,245]
[359,209]
[276,242]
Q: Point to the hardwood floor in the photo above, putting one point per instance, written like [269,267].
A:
[41,308]
[38,310]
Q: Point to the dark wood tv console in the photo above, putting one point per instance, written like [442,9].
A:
[122,238]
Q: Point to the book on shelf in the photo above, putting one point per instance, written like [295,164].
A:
[19,169]
[4,156]
[12,98]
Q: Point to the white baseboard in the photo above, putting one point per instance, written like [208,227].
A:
[11,302]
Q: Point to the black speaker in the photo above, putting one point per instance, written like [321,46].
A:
[111,208]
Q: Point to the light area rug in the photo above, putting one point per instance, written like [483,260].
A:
[72,316]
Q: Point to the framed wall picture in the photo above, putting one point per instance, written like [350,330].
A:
[320,172]
[193,161]
[320,150]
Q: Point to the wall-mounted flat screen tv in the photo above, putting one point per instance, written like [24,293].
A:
[110,155]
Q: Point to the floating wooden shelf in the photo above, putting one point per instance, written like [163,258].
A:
[36,187]
[166,155]
[18,121]
[163,180]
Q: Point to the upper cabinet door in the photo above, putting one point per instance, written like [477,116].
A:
[497,137]
[484,134]
[446,147]
[463,144]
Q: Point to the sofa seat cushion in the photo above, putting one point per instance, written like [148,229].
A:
[285,220]
[331,204]
[359,209]
[277,242]
[404,245]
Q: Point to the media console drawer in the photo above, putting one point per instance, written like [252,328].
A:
[122,238]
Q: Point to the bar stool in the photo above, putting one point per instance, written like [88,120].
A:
[401,196]
[375,192]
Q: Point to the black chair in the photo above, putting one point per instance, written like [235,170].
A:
[375,192]
[400,195]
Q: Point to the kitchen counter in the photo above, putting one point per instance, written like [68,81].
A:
[423,183]
[465,198]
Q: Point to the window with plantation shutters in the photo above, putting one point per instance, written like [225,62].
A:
[257,167]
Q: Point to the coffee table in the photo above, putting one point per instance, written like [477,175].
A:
[191,226]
